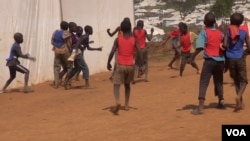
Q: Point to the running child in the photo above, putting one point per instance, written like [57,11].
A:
[186,42]
[14,64]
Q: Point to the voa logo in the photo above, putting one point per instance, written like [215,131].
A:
[236,132]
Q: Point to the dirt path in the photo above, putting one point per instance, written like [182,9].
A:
[160,110]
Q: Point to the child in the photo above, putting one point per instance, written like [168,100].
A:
[125,46]
[119,31]
[209,40]
[141,35]
[14,64]
[174,35]
[186,46]
[79,32]
[79,61]
[235,37]
[61,41]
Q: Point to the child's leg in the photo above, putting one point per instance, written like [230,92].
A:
[218,84]
[127,95]
[200,108]
[70,74]
[239,99]
[242,80]
[194,65]
[77,75]
[57,69]
[183,63]
[136,67]
[12,71]
[117,98]
[26,72]
[145,58]
[84,67]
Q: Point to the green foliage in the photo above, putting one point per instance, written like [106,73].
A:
[222,8]
[185,8]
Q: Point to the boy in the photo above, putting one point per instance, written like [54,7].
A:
[79,61]
[141,35]
[174,35]
[209,40]
[61,41]
[235,37]
[119,33]
[14,64]
[79,32]
[125,46]
[186,41]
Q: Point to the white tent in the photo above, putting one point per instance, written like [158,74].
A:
[37,20]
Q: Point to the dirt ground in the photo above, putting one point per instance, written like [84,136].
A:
[160,110]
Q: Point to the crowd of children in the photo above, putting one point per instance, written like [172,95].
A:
[223,48]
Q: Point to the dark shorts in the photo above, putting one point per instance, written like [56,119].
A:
[17,68]
[237,69]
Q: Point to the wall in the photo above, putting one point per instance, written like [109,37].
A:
[37,20]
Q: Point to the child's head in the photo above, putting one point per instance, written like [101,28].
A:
[209,19]
[140,24]
[64,25]
[79,30]
[72,26]
[126,19]
[236,19]
[18,37]
[126,26]
[183,28]
[88,29]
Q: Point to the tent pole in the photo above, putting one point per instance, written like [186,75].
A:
[61,10]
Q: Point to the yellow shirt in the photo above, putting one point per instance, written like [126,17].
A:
[193,38]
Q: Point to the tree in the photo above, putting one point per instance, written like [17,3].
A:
[222,8]
[184,7]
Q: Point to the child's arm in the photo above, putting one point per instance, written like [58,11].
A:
[247,51]
[114,32]
[111,54]
[150,36]
[25,56]
[164,42]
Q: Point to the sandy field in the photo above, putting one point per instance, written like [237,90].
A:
[159,109]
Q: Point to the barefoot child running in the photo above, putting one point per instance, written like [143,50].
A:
[14,64]
[186,45]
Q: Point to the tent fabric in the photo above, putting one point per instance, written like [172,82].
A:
[38,19]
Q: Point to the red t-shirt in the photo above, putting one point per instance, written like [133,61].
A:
[126,50]
[174,33]
[140,35]
[214,38]
[244,27]
[185,42]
